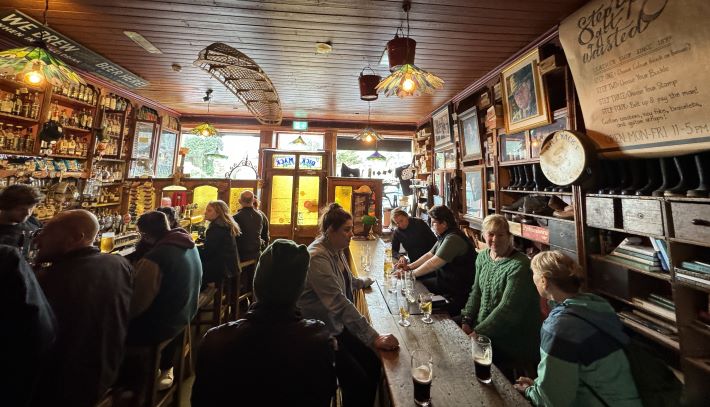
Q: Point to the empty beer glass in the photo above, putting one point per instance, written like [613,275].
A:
[482,357]
[422,375]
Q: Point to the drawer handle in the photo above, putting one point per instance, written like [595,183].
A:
[700,222]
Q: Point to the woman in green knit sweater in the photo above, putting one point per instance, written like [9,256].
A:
[504,304]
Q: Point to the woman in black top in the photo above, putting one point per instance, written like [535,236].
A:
[219,255]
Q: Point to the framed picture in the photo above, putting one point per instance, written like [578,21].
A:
[471,135]
[360,202]
[524,97]
[443,136]
[474,193]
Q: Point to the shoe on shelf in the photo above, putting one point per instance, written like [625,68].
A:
[556,203]
[166,380]
[515,206]
[567,213]
[534,204]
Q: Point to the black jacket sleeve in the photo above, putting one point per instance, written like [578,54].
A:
[219,255]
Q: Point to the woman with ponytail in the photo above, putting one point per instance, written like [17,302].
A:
[583,362]
[328,296]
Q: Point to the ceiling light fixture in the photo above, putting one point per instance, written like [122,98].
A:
[206,129]
[140,40]
[368,84]
[299,141]
[35,64]
[406,78]
[324,48]
[368,134]
[376,156]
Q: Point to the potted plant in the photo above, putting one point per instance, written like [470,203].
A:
[368,222]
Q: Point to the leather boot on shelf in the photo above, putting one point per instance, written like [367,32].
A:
[513,175]
[702,190]
[556,203]
[668,176]
[624,174]
[539,178]
[653,177]
[567,213]
[528,221]
[515,206]
[606,171]
[637,178]
[684,178]
[519,181]
[529,182]
[614,178]
[536,205]
[564,188]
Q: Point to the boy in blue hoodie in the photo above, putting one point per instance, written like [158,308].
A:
[582,357]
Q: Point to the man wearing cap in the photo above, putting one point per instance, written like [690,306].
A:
[273,344]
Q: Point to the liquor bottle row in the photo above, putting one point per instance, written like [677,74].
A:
[82,119]
[108,148]
[83,93]
[108,173]
[146,114]
[112,125]
[67,145]
[21,103]
[114,102]
[16,138]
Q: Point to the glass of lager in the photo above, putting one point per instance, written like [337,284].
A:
[403,306]
[106,244]
[482,357]
[425,307]
[422,373]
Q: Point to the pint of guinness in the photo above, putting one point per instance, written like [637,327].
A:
[422,375]
[482,352]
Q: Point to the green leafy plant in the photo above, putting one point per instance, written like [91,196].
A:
[369,220]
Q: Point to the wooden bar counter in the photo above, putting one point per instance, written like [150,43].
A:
[454,382]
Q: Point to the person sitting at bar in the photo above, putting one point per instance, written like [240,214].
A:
[504,304]
[452,259]
[251,223]
[265,237]
[273,344]
[413,234]
[329,297]
[16,221]
[167,285]
[90,294]
[169,211]
[28,324]
[220,258]
[583,361]
[144,247]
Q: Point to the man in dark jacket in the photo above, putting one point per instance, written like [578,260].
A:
[166,289]
[29,327]
[90,294]
[272,344]
[16,221]
[251,224]
[412,233]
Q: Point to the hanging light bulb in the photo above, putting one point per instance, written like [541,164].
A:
[368,138]
[206,129]
[408,85]
[35,76]
[368,134]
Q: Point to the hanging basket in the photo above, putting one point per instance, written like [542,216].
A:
[368,83]
[400,51]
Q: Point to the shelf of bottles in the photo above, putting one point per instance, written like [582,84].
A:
[20,107]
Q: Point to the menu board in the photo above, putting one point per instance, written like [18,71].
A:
[641,75]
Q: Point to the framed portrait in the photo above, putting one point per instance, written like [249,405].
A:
[470,135]
[524,98]
[443,137]
[474,191]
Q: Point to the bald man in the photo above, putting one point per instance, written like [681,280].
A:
[90,294]
[250,242]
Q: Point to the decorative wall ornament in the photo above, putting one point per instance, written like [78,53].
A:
[244,78]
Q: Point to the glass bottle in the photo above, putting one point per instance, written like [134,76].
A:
[34,110]
[2,136]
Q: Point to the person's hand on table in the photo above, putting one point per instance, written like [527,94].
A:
[366,282]
[523,383]
[386,342]
[401,262]
[399,273]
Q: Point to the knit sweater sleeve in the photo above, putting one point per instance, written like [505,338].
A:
[474,298]
[516,297]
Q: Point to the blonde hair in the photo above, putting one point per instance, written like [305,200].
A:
[555,266]
[222,210]
[495,223]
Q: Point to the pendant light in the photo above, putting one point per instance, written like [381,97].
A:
[206,129]
[299,141]
[368,134]
[376,156]
[36,64]
[406,78]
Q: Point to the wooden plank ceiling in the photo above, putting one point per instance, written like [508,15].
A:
[458,40]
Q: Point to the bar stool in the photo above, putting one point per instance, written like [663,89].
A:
[211,301]
[242,288]
[149,392]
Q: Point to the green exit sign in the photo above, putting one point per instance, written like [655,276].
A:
[300,125]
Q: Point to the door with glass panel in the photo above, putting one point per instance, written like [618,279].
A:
[294,190]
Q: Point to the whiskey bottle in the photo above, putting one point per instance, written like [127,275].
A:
[2,136]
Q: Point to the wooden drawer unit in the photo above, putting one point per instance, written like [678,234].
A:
[691,221]
[563,234]
[603,213]
[642,215]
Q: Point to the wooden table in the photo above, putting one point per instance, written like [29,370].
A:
[454,383]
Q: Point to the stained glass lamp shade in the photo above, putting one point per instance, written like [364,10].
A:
[409,80]
[368,134]
[376,156]
[36,65]
[205,130]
